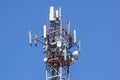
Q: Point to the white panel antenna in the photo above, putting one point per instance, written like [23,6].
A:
[45,30]
[30,37]
[79,46]
[74,36]
[52,14]
[60,13]
[60,29]
[57,14]
[35,40]
[65,54]
[68,26]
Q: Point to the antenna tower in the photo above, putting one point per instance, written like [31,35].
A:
[60,46]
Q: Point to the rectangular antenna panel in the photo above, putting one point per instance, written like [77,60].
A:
[57,13]
[35,40]
[79,44]
[30,37]
[65,54]
[45,29]
[52,14]
[68,28]
[74,36]
[60,13]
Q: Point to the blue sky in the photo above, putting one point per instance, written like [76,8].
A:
[98,26]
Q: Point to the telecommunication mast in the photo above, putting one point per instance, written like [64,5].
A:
[60,46]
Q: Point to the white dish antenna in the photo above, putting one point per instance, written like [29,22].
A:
[59,43]
[75,55]
[45,59]
[72,61]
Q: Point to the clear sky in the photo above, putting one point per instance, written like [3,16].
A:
[98,26]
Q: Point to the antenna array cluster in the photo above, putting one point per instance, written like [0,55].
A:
[57,43]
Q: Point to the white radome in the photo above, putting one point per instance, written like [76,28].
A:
[72,61]
[75,55]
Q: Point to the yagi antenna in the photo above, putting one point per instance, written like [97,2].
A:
[30,37]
